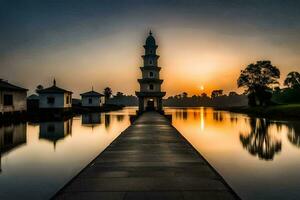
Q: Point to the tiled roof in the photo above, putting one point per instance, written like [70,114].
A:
[53,89]
[91,94]
[7,86]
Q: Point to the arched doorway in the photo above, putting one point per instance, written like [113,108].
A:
[150,104]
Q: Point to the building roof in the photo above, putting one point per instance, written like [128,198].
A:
[53,89]
[150,41]
[4,85]
[91,93]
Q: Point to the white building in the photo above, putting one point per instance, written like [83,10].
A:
[55,98]
[92,99]
[12,98]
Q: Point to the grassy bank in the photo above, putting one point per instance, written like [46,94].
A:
[277,111]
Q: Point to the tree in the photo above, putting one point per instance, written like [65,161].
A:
[292,80]
[216,93]
[258,79]
[184,95]
[232,94]
[178,96]
[107,92]
[119,94]
[204,95]
[38,88]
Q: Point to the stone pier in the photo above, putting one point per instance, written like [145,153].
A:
[149,160]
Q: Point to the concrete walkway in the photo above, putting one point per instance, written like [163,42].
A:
[149,160]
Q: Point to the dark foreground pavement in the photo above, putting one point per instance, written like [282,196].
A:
[149,160]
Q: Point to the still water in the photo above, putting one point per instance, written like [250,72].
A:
[38,159]
[259,158]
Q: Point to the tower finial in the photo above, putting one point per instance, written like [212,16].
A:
[92,88]
[150,32]
[54,82]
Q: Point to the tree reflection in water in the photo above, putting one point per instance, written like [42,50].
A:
[107,121]
[260,141]
[120,118]
[218,116]
[294,133]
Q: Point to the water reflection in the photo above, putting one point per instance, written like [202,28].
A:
[257,157]
[260,141]
[235,144]
[181,113]
[185,113]
[40,172]
[294,133]
[55,131]
[91,119]
[107,121]
[11,137]
[120,118]
[218,116]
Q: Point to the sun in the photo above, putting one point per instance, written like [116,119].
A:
[201,87]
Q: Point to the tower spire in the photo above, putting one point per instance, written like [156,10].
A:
[54,82]
[150,32]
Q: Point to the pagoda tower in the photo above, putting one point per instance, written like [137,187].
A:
[150,94]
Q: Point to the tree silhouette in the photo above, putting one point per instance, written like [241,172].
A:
[259,142]
[119,94]
[107,92]
[292,80]
[232,93]
[216,93]
[258,79]
[38,88]
[204,95]
[184,95]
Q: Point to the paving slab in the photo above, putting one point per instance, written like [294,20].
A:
[149,160]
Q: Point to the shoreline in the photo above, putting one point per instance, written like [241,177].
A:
[52,115]
[278,112]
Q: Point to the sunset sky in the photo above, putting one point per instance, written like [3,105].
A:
[99,43]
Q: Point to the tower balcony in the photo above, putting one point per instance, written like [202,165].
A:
[150,94]
[150,55]
[150,80]
[149,67]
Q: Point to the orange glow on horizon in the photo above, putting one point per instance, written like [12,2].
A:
[189,59]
